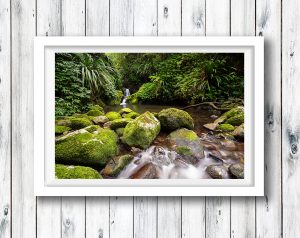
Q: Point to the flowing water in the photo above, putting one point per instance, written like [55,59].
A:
[161,162]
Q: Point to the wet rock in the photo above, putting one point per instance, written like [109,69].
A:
[100,120]
[211,126]
[217,171]
[228,145]
[173,118]
[186,138]
[107,124]
[148,171]
[135,150]
[215,154]
[237,170]
[238,133]
[213,116]
[116,165]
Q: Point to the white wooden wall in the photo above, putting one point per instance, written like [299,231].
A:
[275,215]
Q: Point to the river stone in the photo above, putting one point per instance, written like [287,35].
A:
[225,128]
[75,172]
[238,133]
[141,131]
[131,115]
[148,171]
[100,120]
[116,165]
[237,170]
[187,139]
[113,116]
[211,126]
[85,148]
[125,111]
[217,171]
[119,123]
[173,118]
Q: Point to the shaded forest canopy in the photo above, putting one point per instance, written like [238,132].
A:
[83,79]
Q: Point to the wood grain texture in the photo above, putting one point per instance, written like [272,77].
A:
[48,23]
[145,17]
[5,121]
[169,17]
[242,208]
[193,18]
[268,208]
[97,18]
[218,208]
[290,118]
[23,201]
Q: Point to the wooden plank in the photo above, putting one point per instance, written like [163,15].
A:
[290,118]
[169,208]
[121,217]
[48,208]
[193,18]
[121,208]
[218,17]
[169,217]
[121,17]
[193,208]
[242,208]
[193,217]
[145,17]
[145,208]
[73,217]
[73,208]
[5,121]
[97,208]
[169,17]
[218,208]
[97,18]
[97,217]
[268,208]
[23,201]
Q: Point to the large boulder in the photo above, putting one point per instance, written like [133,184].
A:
[113,116]
[234,117]
[186,143]
[125,111]
[78,123]
[75,172]
[173,118]
[85,148]
[141,131]
[100,120]
[119,123]
[95,113]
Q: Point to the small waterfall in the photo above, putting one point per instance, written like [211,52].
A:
[126,95]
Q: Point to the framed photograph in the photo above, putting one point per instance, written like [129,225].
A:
[149,116]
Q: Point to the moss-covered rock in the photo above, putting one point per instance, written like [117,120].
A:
[100,120]
[236,120]
[225,127]
[173,118]
[118,123]
[186,142]
[95,113]
[116,165]
[184,150]
[125,111]
[92,128]
[96,107]
[113,116]
[75,172]
[120,131]
[237,113]
[63,122]
[85,148]
[234,111]
[78,123]
[141,131]
[82,116]
[61,129]
[131,115]
[238,133]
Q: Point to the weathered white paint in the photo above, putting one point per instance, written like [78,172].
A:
[148,217]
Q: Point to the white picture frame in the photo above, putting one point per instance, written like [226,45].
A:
[45,183]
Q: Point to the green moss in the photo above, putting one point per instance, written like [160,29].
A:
[78,123]
[184,150]
[61,129]
[225,127]
[120,131]
[87,148]
[75,172]
[234,111]
[173,118]
[92,128]
[118,123]
[63,122]
[141,131]
[236,120]
[125,110]
[116,165]
[96,107]
[133,98]
[113,116]
[95,113]
[131,115]
[184,134]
